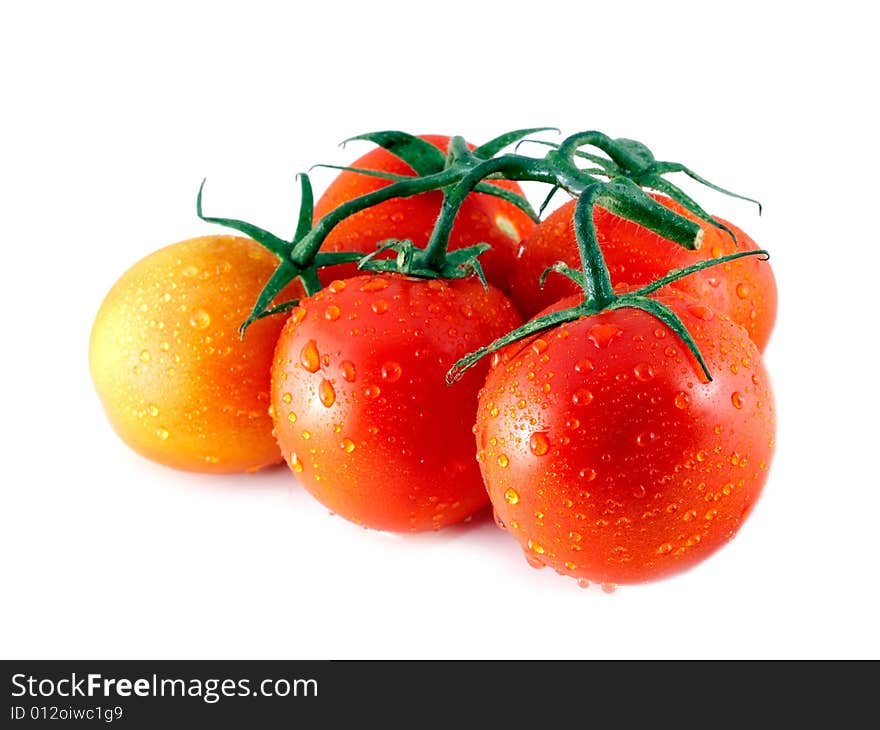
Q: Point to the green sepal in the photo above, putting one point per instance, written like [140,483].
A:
[281,277]
[661,168]
[277,309]
[421,156]
[677,274]
[560,267]
[270,241]
[306,207]
[553,190]
[494,146]
[533,326]
[669,318]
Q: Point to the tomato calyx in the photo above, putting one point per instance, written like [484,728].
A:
[412,261]
[299,257]
[599,295]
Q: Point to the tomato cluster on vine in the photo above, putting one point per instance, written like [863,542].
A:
[427,344]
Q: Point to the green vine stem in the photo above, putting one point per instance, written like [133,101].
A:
[614,183]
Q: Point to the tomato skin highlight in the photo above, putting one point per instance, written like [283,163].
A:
[482,218]
[745,289]
[362,412]
[177,383]
[610,457]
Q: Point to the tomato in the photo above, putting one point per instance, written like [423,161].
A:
[176,381]
[608,454]
[745,289]
[481,219]
[362,412]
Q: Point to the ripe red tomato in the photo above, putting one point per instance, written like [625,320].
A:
[745,288]
[607,453]
[481,219]
[362,412]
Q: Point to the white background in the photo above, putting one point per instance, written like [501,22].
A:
[111,117]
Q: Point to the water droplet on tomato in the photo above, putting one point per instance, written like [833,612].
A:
[306,435]
[583,366]
[643,372]
[348,370]
[601,335]
[587,474]
[536,547]
[291,416]
[582,397]
[467,311]
[332,312]
[309,357]
[286,397]
[503,461]
[295,462]
[639,492]
[153,409]
[539,443]
[700,311]
[737,399]
[512,496]
[162,433]
[376,284]
[583,583]
[380,306]
[609,587]
[199,319]
[347,445]
[539,346]
[372,392]
[681,400]
[298,314]
[327,393]
[391,371]
[665,548]
[646,438]
[337,285]
[743,291]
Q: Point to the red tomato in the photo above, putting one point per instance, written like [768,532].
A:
[610,457]
[361,409]
[745,289]
[481,219]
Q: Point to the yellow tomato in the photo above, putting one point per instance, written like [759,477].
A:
[178,384]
